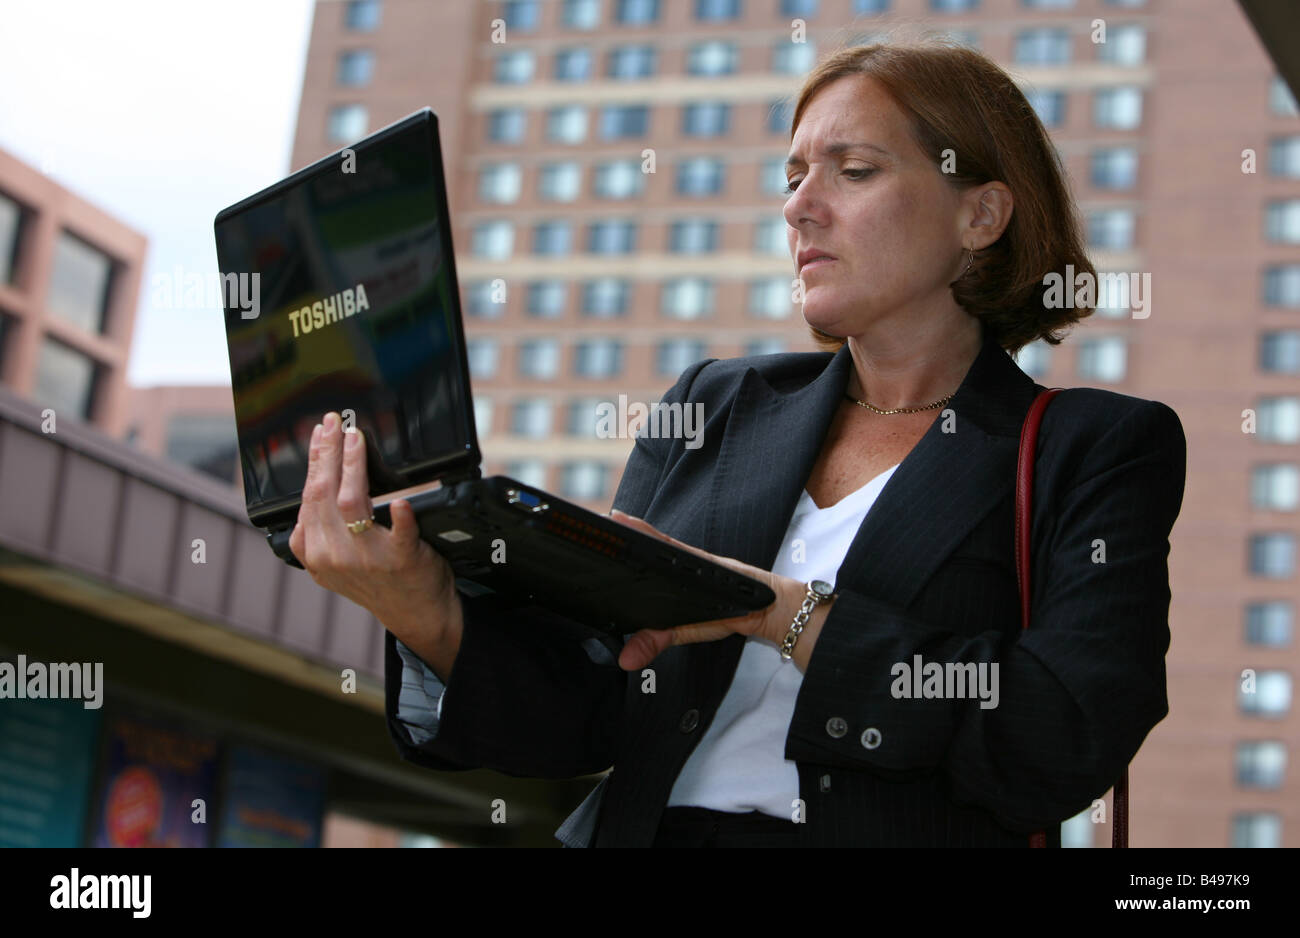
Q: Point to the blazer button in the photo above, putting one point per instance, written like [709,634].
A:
[836,727]
[690,720]
[871,737]
[825,783]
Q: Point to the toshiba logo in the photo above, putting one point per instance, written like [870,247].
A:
[345,303]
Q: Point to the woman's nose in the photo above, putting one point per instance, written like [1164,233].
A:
[804,204]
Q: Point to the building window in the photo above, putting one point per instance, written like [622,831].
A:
[80,283]
[1284,157]
[483,355]
[530,472]
[1042,46]
[1048,105]
[1280,99]
[605,298]
[953,6]
[673,356]
[687,298]
[1035,358]
[711,58]
[1256,829]
[1261,764]
[870,7]
[206,443]
[1279,419]
[771,298]
[771,177]
[770,237]
[584,479]
[1126,3]
[1282,221]
[356,68]
[553,238]
[631,62]
[482,415]
[494,240]
[520,15]
[1117,108]
[599,358]
[712,11]
[566,124]
[1271,695]
[1270,623]
[764,347]
[531,418]
[1273,555]
[515,67]
[801,8]
[621,179]
[1102,359]
[611,236]
[580,14]
[1112,294]
[1282,285]
[693,236]
[1275,487]
[701,175]
[539,358]
[559,182]
[481,300]
[793,58]
[621,121]
[507,125]
[705,119]
[779,115]
[65,380]
[1111,228]
[636,12]
[11,227]
[347,123]
[583,415]
[1114,168]
[547,299]
[500,182]
[1279,352]
[1124,45]
[362,16]
[573,65]
[1047,4]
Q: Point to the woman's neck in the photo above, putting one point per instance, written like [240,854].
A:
[913,368]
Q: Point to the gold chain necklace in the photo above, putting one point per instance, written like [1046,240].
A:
[898,410]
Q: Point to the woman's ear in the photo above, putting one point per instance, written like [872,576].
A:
[986,213]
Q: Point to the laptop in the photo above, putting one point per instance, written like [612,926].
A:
[340,294]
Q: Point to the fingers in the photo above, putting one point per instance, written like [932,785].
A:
[354,488]
[406,533]
[648,644]
[320,492]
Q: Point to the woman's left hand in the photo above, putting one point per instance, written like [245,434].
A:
[770,623]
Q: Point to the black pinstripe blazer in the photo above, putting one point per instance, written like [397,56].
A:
[931,573]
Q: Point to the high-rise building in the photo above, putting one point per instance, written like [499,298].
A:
[616,184]
[69,281]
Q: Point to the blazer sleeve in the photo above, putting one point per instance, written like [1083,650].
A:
[531,693]
[1077,692]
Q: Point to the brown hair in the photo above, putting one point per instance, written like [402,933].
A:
[955,98]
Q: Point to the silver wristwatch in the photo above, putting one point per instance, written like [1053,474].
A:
[819,591]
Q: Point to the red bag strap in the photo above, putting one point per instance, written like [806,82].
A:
[1024,512]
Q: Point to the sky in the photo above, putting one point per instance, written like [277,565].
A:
[161,113]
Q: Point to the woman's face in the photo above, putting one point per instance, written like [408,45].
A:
[866,195]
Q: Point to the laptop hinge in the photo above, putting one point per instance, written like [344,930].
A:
[279,541]
[469,474]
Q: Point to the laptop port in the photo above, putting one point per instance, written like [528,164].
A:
[526,501]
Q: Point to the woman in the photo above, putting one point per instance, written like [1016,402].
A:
[926,208]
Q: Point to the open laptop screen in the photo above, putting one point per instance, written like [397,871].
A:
[354,309]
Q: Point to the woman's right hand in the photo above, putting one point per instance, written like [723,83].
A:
[405,583]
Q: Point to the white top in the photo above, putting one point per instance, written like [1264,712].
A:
[740,763]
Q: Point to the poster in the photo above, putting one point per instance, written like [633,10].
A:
[270,801]
[153,774]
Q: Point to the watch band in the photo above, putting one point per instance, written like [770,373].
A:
[818,592]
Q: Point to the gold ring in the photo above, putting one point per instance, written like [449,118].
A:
[365,524]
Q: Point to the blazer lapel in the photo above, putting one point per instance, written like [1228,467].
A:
[951,478]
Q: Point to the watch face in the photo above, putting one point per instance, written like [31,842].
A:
[822,589]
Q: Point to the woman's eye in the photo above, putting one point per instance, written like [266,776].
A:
[851,173]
